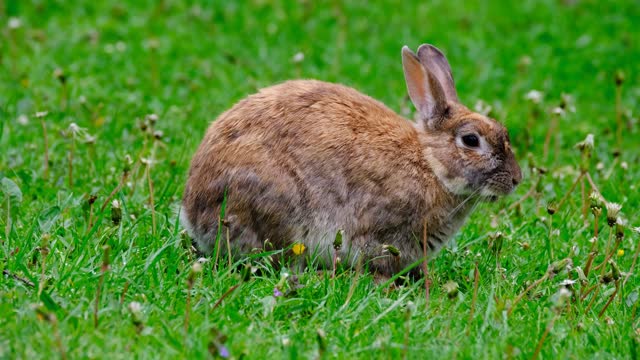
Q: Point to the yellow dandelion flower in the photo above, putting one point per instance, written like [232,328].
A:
[298,248]
[99,121]
[620,252]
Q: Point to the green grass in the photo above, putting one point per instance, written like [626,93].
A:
[188,63]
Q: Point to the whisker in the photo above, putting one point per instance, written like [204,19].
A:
[457,208]
[475,204]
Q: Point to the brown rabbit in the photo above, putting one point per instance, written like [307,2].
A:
[302,160]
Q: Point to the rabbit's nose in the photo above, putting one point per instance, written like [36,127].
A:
[516,173]
[516,178]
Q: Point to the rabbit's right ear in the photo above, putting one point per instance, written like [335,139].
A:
[425,90]
[433,59]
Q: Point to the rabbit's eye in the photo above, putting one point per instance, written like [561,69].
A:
[471,140]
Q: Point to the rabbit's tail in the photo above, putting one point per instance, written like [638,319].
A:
[203,233]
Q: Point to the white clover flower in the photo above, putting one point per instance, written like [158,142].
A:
[298,57]
[152,118]
[588,142]
[41,114]
[58,73]
[561,297]
[567,282]
[534,96]
[525,60]
[115,203]
[135,307]
[596,198]
[14,23]
[196,268]
[285,274]
[148,161]
[121,46]
[569,103]
[482,107]
[624,165]
[613,209]
[23,119]
[558,111]
[74,128]
[152,43]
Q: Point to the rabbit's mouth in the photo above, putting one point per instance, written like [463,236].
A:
[494,191]
[498,186]
[489,196]
[492,198]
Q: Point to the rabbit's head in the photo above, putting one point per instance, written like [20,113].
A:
[469,153]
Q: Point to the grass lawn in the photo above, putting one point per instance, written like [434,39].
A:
[86,278]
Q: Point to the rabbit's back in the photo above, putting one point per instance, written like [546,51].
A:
[318,114]
[300,160]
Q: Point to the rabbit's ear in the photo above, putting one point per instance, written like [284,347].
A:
[425,90]
[435,62]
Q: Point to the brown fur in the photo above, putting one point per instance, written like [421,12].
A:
[303,159]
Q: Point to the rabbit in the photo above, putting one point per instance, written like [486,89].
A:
[299,161]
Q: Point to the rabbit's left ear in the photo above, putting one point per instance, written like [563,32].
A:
[425,90]
[435,61]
